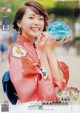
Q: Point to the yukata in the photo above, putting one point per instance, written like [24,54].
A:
[26,76]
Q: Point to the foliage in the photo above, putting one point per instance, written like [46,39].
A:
[48,5]
[77,38]
[13,5]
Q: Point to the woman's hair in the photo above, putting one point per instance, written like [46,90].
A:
[36,7]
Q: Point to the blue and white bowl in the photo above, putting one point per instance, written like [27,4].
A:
[59,30]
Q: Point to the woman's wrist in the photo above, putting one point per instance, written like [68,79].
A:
[41,53]
[50,51]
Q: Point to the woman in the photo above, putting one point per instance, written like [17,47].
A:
[34,69]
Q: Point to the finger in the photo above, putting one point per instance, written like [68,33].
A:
[61,41]
[40,38]
[46,37]
[64,40]
[70,37]
[44,42]
[54,41]
[36,44]
[45,34]
[67,39]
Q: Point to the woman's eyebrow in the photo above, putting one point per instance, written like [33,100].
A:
[31,14]
[34,15]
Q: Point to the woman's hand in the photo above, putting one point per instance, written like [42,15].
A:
[41,50]
[44,42]
[51,44]
[41,43]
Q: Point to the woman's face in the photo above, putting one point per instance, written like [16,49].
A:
[31,24]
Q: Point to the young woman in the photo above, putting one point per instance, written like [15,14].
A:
[34,69]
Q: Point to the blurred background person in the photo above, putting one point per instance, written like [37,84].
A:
[5,41]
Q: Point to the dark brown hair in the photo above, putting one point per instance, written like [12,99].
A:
[36,7]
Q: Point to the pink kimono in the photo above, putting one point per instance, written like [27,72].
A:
[26,76]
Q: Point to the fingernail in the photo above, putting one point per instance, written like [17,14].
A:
[64,39]
[42,33]
[70,37]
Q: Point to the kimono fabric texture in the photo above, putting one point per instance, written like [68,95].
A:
[25,73]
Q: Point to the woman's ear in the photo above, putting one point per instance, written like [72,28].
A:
[19,23]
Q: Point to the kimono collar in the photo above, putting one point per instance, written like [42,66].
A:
[23,39]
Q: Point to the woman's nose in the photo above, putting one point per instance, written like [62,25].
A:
[36,21]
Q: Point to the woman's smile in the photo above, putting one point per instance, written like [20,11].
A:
[35,29]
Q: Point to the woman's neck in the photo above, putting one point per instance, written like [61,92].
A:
[31,39]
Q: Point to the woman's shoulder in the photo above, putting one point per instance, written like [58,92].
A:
[17,50]
[14,45]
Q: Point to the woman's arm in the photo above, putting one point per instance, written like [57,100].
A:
[41,49]
[57,74]
[60,78]
[45,65]
[53,64]
[60,71]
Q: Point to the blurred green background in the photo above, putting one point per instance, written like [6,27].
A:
[61,8]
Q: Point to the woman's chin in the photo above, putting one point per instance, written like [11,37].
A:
[37,34]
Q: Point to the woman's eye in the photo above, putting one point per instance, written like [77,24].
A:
[41,19]
[31,17]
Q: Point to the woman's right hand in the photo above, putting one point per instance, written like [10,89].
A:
[41,47]
[41,43]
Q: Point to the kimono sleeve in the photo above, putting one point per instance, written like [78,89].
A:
[64,70]
[23,73]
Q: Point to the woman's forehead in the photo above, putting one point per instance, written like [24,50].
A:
[32,11]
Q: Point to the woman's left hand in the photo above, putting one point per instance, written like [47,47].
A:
[51,44]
